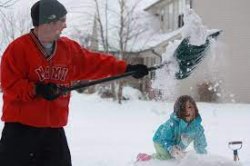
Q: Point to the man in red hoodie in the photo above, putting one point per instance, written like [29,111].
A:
[33,67]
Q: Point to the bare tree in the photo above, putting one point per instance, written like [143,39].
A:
[4,38]
[126,29]
[7,3]
[104,39]
[13,24]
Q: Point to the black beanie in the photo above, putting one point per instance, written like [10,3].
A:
[46,11]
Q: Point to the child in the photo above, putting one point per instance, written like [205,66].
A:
[183,127]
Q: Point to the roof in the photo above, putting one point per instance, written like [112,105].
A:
[153,3]
[154,40]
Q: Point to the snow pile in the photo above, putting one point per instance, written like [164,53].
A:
[192,159]
[206,160]
[130,93]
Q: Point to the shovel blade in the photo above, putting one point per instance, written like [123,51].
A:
[188,56]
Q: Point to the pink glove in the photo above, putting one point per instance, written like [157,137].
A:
[143,157]
[176,152]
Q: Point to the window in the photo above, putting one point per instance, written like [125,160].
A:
[180,20]
[171,16]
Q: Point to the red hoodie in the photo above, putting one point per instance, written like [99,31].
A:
[24,64]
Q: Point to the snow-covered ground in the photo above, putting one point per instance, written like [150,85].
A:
[104,133]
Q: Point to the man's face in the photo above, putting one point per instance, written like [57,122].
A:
[54,29]
[58,27]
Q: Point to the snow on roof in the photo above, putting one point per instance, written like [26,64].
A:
[147,3]
[153,3]
[152,40]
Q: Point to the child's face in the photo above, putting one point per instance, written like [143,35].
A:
[189,111]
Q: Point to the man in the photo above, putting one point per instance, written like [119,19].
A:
[33,67]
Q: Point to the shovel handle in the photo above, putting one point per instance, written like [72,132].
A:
[84,85]
[107,79]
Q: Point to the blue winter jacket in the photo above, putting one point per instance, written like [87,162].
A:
[176,131]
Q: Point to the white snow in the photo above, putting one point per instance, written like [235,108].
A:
[102,132]
[165,77]
[194,28]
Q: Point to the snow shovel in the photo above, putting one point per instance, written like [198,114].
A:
[187,56]
[235,146]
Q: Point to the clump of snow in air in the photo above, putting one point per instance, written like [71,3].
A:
[193,28]
[165,77]
[197,33]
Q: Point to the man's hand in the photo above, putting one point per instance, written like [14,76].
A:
[49,91]
[140,70]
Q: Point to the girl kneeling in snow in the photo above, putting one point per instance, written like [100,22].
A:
[183,127]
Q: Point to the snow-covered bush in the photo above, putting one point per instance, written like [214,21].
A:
[130,93]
